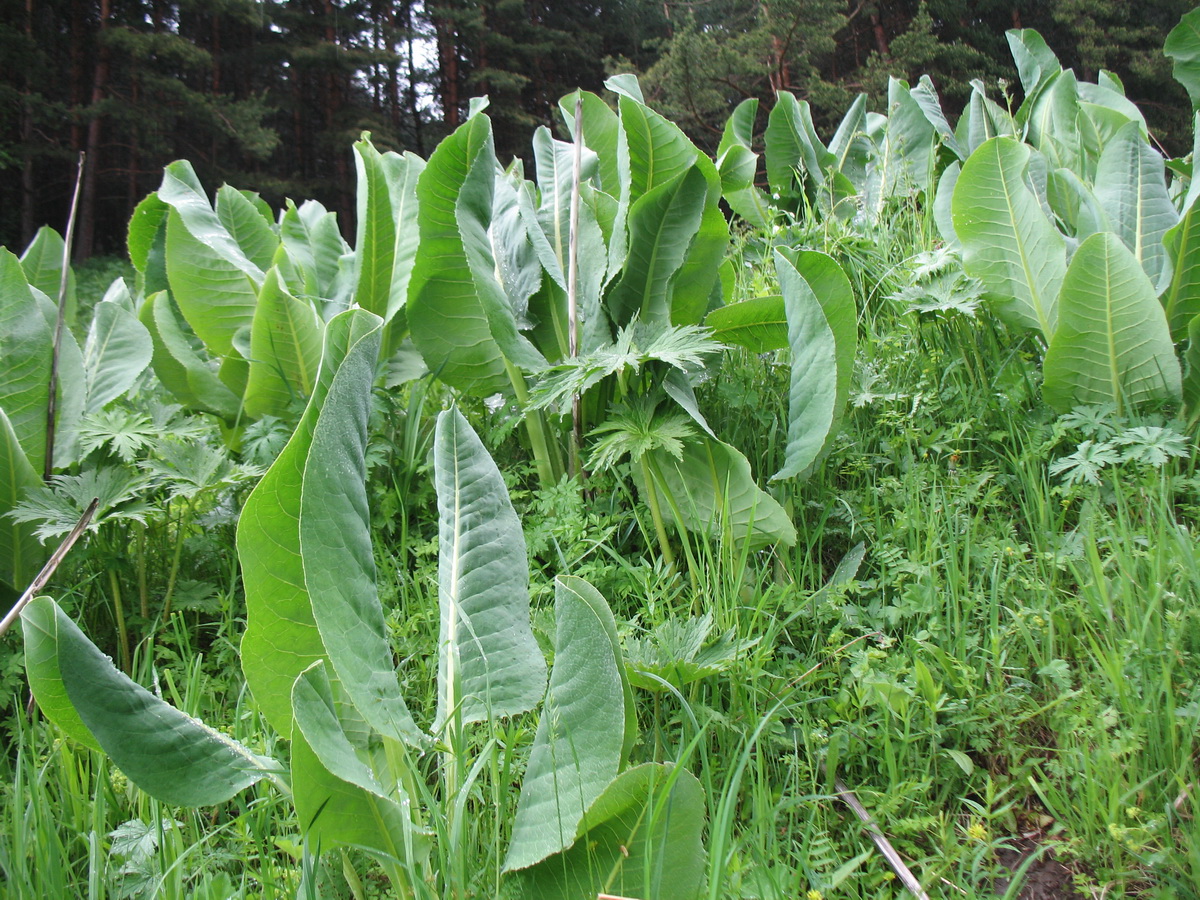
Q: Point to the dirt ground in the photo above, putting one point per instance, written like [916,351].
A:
[1045,879]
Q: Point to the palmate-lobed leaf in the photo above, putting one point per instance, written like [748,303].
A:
[1008,242]
[641,838]
[1112,344]
[586,727]
[281,638]
[489,664]
[168,754]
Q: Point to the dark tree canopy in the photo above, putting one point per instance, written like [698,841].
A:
[269,95]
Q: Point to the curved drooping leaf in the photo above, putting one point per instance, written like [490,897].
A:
[792,147]
[759,324]
[489,664]
[285,351]
[943,217]
[911,138]
[739,127]
[738,166]
[182,370]
[1058,128]
[659,152]
[583,730]
[641,838]
[458,313]
[181,190]
[1132,189]
[20,552]
[1008,243]
[1112,344]
[147,244]
[26,345]
[711,491]
[822,324]
[336,550]
[42,262]
[310,236]
[281,638]
[1183,46]
[662,224]
[117,350]
[982,120]
[168,754]
[1036,62]
[216,295]
[39,626]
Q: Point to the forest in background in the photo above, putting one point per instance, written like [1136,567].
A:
[270,95]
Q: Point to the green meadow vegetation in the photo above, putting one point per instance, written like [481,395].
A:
[616,533]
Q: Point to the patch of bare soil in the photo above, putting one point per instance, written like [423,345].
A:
[1044,878]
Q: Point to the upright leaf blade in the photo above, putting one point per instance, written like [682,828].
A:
[117,350]
[281,638]
[285,351]
[1008,243]
[1113,344]
[1183,46]
[583,729]
[26,341]
[20,552]
[489,664]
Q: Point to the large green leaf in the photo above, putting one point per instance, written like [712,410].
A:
[489,664]
[1112,344]
[310,235]
[281,638]
[336,549]
[181,190]
[659,152]
[1183,46]
[248,227]
[147,244]
[792,147]
[191,378]
[1191,376]
[1181,299]
[912,134]
[759,324]
[1036,62]
[822,324]
[458,313]
[641,838]
[285,351]
[39,626]
[601,134]
[117,350]
[385,249]
[662,224]
[1132,189]
[711,491]
[26,345]
[583,730]
[167,753]
[20,553]
[1008,243]
[43,263]
[215,295]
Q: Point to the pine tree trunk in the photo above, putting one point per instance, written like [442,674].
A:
[86,235]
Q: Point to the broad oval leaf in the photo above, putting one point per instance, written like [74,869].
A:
[168,754]
[1112,344]
[583,730]
[1008,243]
[1183,46]
[250,230]
[117,350]
[285,351]
[759,324]
[641,838]
[489,664]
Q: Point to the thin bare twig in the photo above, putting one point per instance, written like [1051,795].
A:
[51,565]
[885,846]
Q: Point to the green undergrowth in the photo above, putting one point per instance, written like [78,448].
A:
[988,630]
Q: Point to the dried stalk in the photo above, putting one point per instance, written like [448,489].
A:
[51,565]
[885,847]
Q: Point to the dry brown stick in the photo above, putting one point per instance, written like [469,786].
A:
[52,400]
[51,565]
[885,846]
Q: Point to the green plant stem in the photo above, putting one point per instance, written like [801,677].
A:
[660,527]
[184,521]
[119,615]
[143,589]
[536,428]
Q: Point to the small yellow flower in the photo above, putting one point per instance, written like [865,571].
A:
[814,895]
[977,831]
